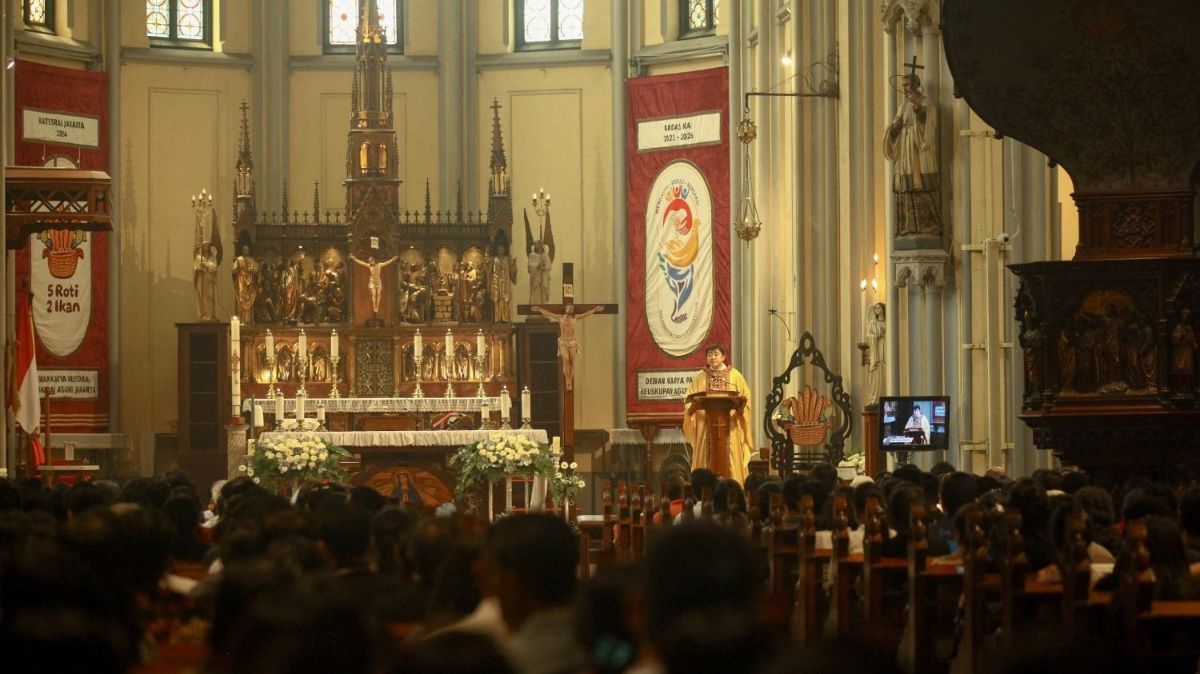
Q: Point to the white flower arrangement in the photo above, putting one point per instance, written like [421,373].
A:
[292,459]
[565,484]
[500,455]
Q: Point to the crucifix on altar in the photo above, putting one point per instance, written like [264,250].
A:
[567,315]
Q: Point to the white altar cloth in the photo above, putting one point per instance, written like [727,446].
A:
[354,439]
[382,405]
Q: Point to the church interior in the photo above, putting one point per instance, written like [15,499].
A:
[448,335]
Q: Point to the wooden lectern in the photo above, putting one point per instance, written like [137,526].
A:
[717,406]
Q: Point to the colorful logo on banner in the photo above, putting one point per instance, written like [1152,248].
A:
[62,288]
[679,259]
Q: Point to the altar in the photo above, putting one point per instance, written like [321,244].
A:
[411,466]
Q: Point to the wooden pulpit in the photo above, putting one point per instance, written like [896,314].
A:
[718,406]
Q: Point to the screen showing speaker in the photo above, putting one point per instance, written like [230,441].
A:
[914,423]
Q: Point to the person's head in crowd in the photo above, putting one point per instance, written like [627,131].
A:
[899,506]
[1140,503]
[701,478]
[605,627]
[83,496]
[826,520]
[10,496]
[941,468]
[675,488]
[791,493]
[825,473]
[455,652]
[456,590]
[929,485]
[819,491]
[343,532]
[1189,517]
[183,513]
[532,559]
[863,492]
[752,483]
[1048,479]
[763,498]
[1168,560]
[1073,481]
[956,490]
[908,473]
[987,483]
[702,616]
[390,530]
[428,545]
[367,498]
[1060,517]
[312,495]
[728,497]
[238,534]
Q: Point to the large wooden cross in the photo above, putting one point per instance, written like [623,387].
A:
[567,314]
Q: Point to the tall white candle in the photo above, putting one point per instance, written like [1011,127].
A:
[279,408]
[333,343]
[418,344]
[270,344]
[259,417]
[526,404]
[321,414]
[505,402]
[449,349]
[303,344]
[235,330]
[480,344]
[556,443]
[299,407]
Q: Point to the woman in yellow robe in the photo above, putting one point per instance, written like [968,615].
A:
[719,376]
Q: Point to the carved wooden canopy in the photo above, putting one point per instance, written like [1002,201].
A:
[37,199]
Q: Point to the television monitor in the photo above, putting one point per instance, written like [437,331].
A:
[914,423]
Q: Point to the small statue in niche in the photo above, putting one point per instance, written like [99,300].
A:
[1030,339]
[540,254]
[876,344]
[501,279]
[204,277]
[1183,354]
[291,286]
[911,142]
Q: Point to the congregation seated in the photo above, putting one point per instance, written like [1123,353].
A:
[108,578]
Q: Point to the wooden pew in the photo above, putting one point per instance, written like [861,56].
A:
[807,620]
[933,594]
[1157,635]
[596,544]
[975,561]
[845,570]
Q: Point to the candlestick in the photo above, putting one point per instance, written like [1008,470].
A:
[270,364]
[334,359]
[321,415]
[303,371]
[300,407]
[449,363]
[526,407]
[480,361]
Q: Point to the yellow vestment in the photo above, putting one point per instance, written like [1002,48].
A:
[741,438]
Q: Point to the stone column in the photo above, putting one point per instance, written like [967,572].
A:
[620,176]
[933,354]
[450,112]
[271,135]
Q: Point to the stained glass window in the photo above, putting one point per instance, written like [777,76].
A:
[38,12]
[699,17]
[179,22]
[341,22]
[550,23]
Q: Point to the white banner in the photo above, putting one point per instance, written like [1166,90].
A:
[663,384]
[82,384]
[672,132]
[60,263]
[46,126]
[679,259]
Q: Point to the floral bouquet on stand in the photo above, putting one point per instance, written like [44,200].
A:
[288,461]
[565,485]
[501,455]
[852,464]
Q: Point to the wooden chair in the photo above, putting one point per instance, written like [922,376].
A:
[933,593]
[845,570]
[807,619]
[975,561]
[596,545]
[1014,567]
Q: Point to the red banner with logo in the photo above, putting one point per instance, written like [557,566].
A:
[678,233]
[62,120]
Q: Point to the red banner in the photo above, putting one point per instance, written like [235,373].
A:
[678,233]
[62,120]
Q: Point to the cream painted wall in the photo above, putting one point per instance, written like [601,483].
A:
[179,135]
[1069,214]
[572,160]
[320,117]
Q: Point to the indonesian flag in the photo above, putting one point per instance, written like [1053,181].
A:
[23,397]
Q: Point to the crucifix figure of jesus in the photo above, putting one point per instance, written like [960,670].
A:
[375,281]
[567,314]
[568,346]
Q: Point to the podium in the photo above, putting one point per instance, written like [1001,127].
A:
[717,406]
